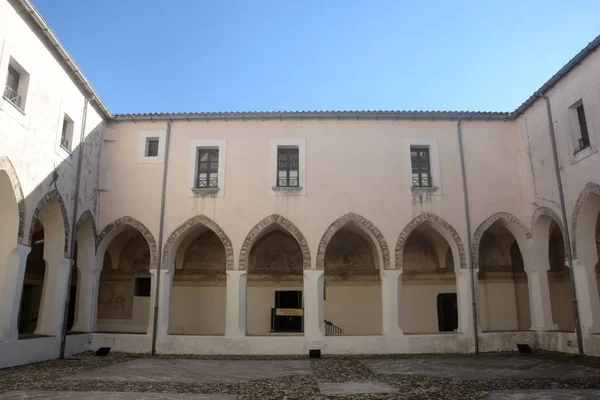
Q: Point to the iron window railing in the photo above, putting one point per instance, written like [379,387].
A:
[64,142]
[11,95]
[421,166]
[287,167]
[208,168]
[584,141]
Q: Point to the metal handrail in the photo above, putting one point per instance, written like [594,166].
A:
[332,330]
[11,95]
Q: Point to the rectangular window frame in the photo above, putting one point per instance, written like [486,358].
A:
[274,189]
[436,188]
[579,126]
[16,96]
[584,135]
[212,171]
[143,287]
[149,150]
[288,167]
[66,135]
[192,171]
[424,177]
[143,138]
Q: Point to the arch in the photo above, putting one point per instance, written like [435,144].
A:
[6,165]
[137,225]
[510,219]
[541,212]
[589,188]
[189,225]
[360,222]
[85,217]
[263,227]
[437,221]
[50,196]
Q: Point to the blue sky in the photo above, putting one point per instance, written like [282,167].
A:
[220,55]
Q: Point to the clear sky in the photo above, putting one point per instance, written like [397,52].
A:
[255,55]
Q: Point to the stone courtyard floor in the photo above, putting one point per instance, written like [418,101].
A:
[129,377]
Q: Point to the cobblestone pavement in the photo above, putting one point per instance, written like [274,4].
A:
[125,377]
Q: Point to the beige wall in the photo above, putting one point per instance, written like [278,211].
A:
[503,305]
[354,307]
[198,309]
[260,300]
[419,305]
[138,322]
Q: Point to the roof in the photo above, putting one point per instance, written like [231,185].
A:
[77,75]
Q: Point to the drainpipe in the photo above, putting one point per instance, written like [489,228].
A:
[468,222]
[563,210]
[63,334]
[160,237]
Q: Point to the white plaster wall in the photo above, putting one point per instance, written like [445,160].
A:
[419,305]
[198,309]
[354,307]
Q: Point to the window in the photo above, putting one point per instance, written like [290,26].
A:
[142,287]
[287,167]
[66,136]
[208,168]
[421,166]
[584,140]
[152,147]
[15,89]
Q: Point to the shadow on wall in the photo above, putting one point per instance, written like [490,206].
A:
[35,241]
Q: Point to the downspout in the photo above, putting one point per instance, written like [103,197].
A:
[469,244]
[63,334]
[563,210]
[160,237]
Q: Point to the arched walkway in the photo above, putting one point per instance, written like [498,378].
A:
[429,251]
[352,253]
[52,196]
[197,254]
[275,253]
[498,246]
[126,253]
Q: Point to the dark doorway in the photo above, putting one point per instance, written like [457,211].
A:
[30,307]
[72,302]
[288,315]
[447,312]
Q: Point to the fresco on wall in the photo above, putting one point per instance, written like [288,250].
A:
[276,256]
[421,261]
[204,259]
[115,300]
[350,257]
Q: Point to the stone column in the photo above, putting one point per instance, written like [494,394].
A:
[54,295]
[235,318]
[86,289]
[539,301]
[391,291]
[587,298]
[164,303]
[314,314]
[10,302]
[465,301]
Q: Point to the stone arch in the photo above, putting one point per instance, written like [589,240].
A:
[263,227]
[360,222]
[137,225]
[85,217]
[436,221]
[510,219]
[190,224]
[6,165]
[50,196]
[548,212]
[589,188]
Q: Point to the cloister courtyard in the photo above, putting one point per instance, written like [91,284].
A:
[503,376]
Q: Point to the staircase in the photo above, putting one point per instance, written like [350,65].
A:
[332,330]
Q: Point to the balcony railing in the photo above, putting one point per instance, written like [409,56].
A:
[64,142]
[11,95]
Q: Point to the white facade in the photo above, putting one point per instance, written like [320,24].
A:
[368,261]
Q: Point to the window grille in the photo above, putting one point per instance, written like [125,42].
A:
[152,148]
[287,167]
[584,141]
[208,168]
[421,166]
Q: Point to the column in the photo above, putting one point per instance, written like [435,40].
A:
[85,301]
[391,290]
[54,295]
[539,301]
[164,303]
[235,318]
[465,301]
[314,314]
[11,293]
[587,298]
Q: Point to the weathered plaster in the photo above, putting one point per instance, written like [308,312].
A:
[135,224]
[361,222]
[263,227]
[589,188]
[50,196]
[6,165]
[85,217]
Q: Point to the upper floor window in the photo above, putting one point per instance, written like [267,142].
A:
[66,137]
[421,166]
[287,167]
[17,81]
[152,147]
[208,168]
[584,139]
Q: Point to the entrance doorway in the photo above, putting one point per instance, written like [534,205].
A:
[447,312]
[288,314]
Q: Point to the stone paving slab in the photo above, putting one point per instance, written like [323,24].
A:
[196,371]
[481,368]
[554,394]
[351,388]
[48,395]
